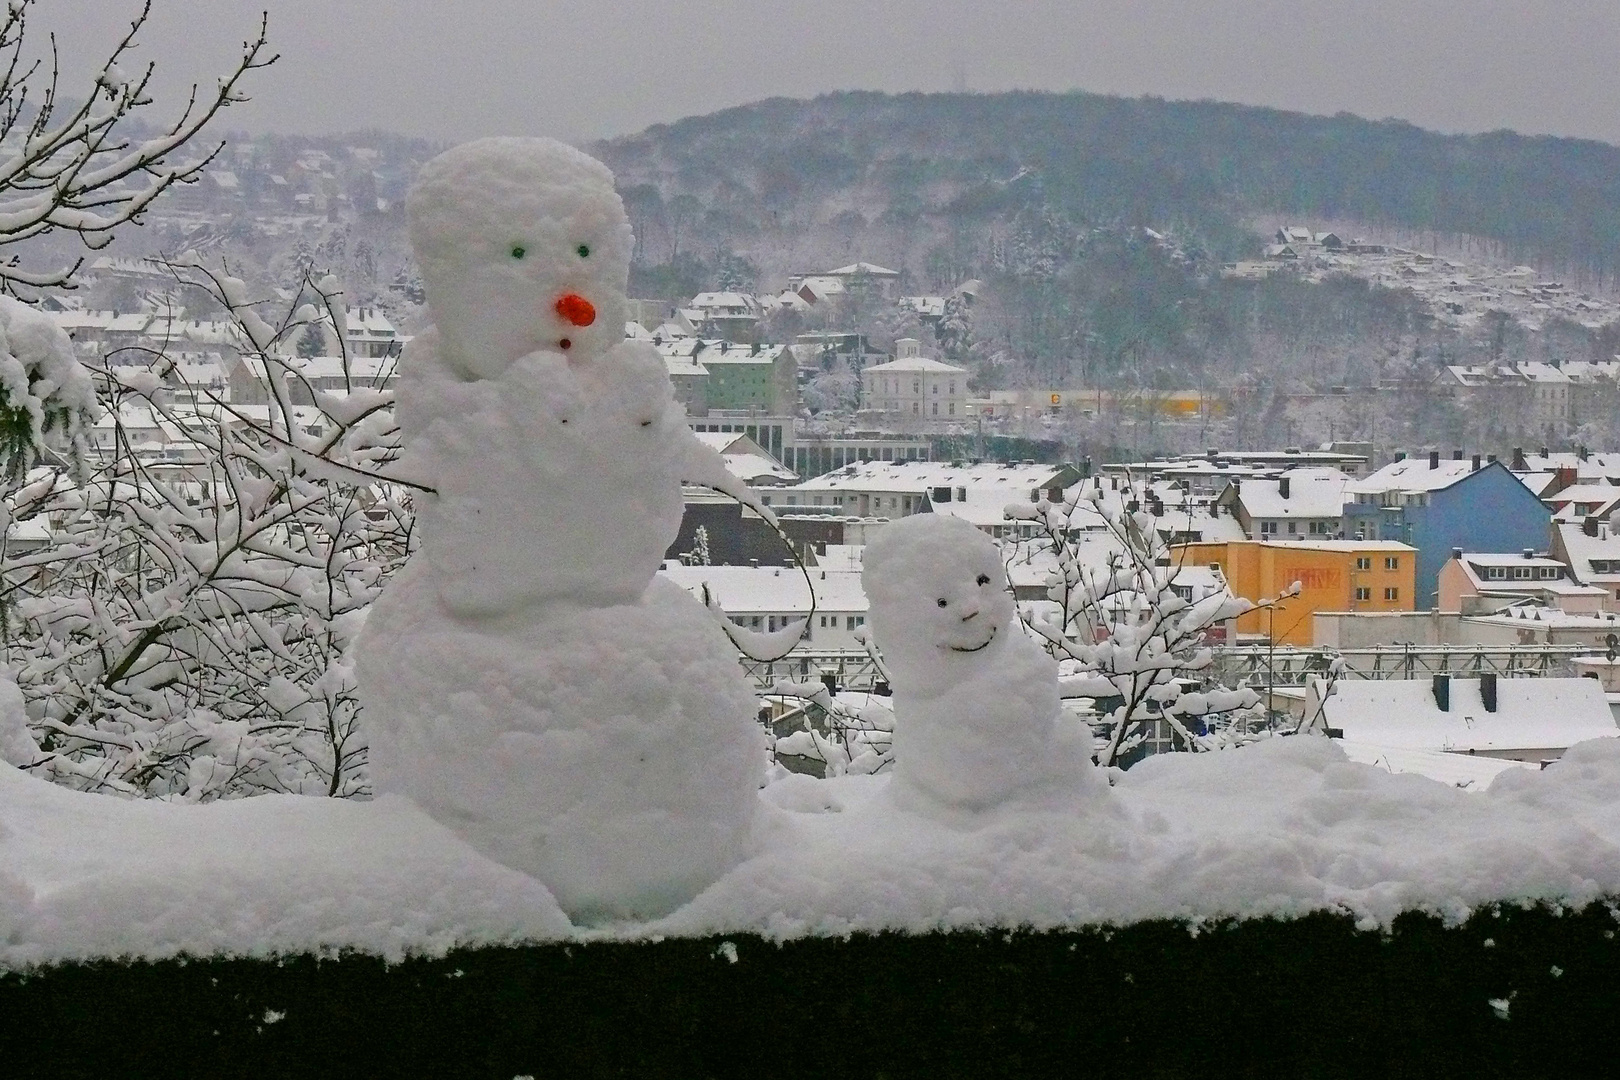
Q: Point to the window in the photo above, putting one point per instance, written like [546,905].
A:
[1268,528]
[1392,562]
[936,409]
[953,408]
[1321,528]
[1293,528]
[1522,573]
[1392,593]
[1363,592]
[1548,573]
[916,407]
[916,386]
[1363,562]
[1496,573]
[953,387]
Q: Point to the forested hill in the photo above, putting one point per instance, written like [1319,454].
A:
[786,180]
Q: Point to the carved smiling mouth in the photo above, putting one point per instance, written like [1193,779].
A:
[976,648]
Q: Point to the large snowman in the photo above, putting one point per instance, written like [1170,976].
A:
[977,723]
[527,679]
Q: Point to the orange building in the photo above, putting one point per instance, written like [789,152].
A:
[1334,575]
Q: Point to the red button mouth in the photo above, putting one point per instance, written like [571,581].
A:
[574,308]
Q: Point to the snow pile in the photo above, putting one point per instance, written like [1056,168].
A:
[85,876]
[526,681]
[1283,827]
[977,721]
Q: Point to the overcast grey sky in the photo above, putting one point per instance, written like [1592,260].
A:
[455,69]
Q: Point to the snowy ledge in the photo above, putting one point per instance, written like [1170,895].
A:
[1282,828]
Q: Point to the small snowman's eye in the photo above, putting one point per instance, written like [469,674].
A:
[518,251]
[584,251]
[984,579]
[943,602]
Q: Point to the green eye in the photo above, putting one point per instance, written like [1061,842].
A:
[518,252]
[584,251]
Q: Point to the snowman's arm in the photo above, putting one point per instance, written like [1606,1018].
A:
[703,466]
[754,644]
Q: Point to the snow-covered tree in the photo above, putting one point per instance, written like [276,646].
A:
[1120,629]
[186,631]
[700,547]
[955,330]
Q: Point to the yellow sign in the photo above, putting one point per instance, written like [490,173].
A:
[1057,399]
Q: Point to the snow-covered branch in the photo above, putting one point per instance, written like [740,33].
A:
[186,629]
[74,167]
[1121,628]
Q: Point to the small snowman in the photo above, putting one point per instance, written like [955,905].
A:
[527,679]
[977,722]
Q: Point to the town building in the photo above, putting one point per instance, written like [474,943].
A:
[1590,548]
[1333,575]
[769,598]
[1300,504]
[1437,505]
[1478,583]
[977,491]
[913,386]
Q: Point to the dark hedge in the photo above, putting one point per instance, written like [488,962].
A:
[1309,997]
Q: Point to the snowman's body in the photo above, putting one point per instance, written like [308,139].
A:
[977,722]
[527,681]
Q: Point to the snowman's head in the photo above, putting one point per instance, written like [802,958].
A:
[523,245]
[939,599]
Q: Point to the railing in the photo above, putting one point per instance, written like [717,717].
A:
[1256,664]
[1263,666]
[853,669]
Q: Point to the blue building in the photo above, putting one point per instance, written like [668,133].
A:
[1437,505]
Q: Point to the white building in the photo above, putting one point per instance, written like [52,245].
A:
[768,598]
[1301,504]
[977,492]
[912,385]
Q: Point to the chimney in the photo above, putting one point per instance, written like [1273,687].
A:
[1400,455]
[1476,463]
[1456,553]
[1529,553]
[1434,459]
[1590,525]
[1519,464]
[1282,487]
[1456,455]
[1487,690]
[1543,451]
[1490,459]
[1580,452]
[1442,692]
[1212,453]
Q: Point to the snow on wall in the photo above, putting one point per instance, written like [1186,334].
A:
[1283,827]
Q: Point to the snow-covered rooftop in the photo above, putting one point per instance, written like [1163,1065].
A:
[1312,493]
[1531,715]
[921,364]
[1015,480]
[1412,474]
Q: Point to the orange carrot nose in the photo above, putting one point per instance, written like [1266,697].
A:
[574,308]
